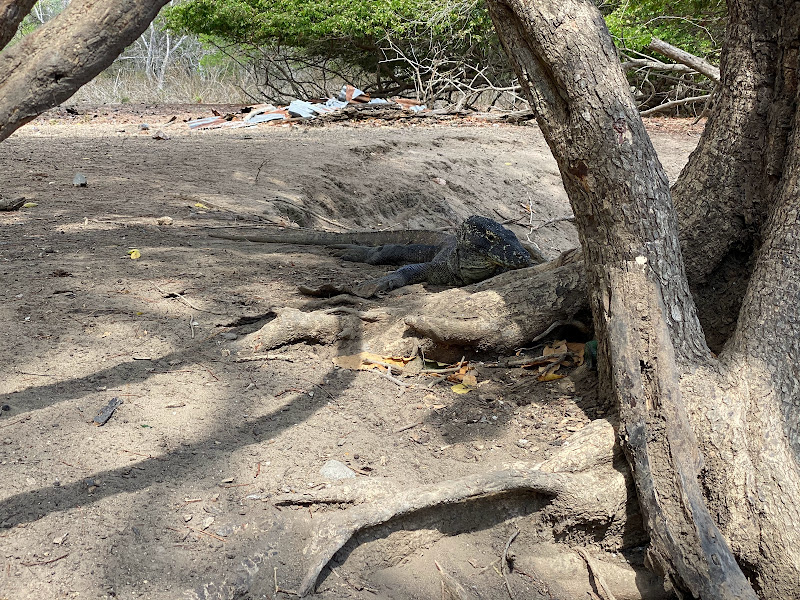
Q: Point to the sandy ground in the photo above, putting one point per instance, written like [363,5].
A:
[177,489]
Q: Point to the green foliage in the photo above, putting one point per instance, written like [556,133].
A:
[303,23]
[353,34]
[696,26]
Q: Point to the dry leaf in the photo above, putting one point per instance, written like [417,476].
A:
[460,388]
[549,377]
[470,380]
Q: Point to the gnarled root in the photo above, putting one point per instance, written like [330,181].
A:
[499,314]
[293,325]
[505,312]
[580,483]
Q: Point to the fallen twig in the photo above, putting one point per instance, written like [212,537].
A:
[392,379]
[181,297]
[600,585]
[44,562]
[20,420]
[213,535]
[406,427]
[263,357]
[449,584]
[549,222]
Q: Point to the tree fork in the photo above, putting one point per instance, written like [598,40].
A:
[567,64]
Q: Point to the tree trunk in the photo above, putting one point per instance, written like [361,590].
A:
[48,66]
[712,444]
[723,192]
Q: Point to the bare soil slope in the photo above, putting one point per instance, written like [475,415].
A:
[176,491]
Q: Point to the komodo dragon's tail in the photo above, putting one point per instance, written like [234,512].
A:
[325,238]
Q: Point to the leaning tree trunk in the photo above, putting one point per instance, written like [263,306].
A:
[50,65]
[712,444]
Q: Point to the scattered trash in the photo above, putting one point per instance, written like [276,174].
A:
[160,135]
[106,413]
[79,180]
[300,109]
[144,127]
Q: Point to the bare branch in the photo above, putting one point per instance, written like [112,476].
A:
[698,64]
[674,103]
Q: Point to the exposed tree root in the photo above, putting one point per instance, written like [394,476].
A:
[580,483]
[498,315]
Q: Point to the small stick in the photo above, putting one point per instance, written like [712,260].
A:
[36,374]
[210,372]
[392,379]
[264,357]
[551,222]
[44,562]
[602,587]
[181,297]
[406,427]
[258,470]
[233,485]
[504,562]
[196,530]
[21,420]
[150,456]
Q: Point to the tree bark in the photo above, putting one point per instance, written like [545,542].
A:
[723,193]
[48,66]
[681,424]
[11,14]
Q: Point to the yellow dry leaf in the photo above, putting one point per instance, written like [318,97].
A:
[30,204]
[460,388]
[200,205]
[549,377]
[559,347]
[135,254]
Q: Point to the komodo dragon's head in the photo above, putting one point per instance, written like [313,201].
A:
[486,247]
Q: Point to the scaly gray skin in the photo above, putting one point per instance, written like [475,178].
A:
[481,249]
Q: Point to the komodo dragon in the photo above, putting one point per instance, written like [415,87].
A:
[480,249]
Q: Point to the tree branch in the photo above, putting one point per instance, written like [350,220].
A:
[50,65]
[695,62]
[11,14]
